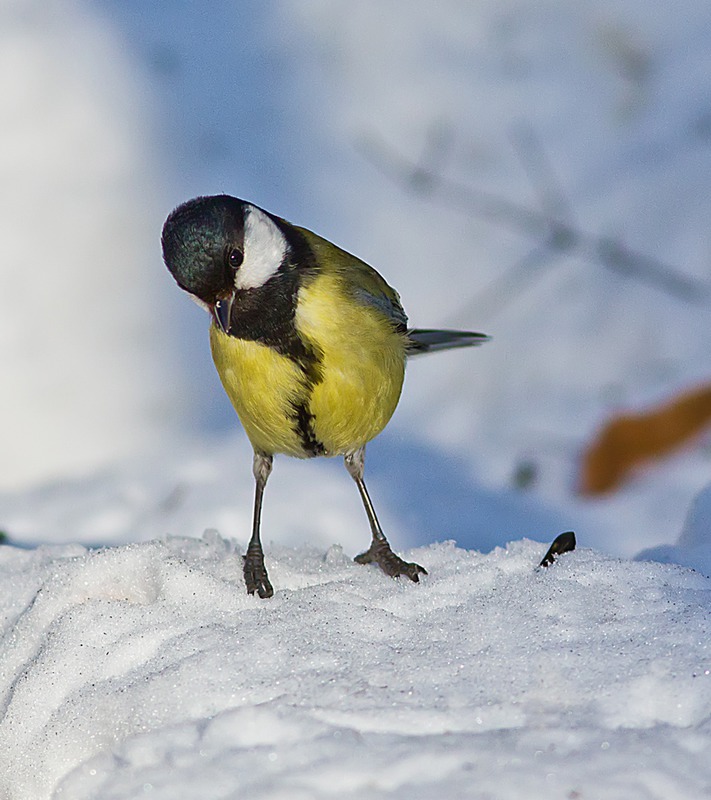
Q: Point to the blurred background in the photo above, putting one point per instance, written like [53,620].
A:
[536,171]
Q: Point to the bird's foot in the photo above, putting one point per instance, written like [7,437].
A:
[391,564]
[255,573]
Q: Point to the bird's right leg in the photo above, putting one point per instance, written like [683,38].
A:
[255,573]
[379,551]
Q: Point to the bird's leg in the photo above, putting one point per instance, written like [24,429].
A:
[379,551]
[255,573]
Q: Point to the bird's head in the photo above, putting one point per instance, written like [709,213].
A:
[217,246]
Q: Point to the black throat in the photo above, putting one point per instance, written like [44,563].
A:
[267,314]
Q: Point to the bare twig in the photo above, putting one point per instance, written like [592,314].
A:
[553,222]
[542,176]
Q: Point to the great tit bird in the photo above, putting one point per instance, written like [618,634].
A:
[309,342]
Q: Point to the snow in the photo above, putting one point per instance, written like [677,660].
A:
[146,670]
[693,547]
[133,663]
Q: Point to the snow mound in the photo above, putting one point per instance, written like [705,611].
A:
[147,670]
[693,548]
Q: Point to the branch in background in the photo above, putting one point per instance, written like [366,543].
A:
[542,176]
[554,222]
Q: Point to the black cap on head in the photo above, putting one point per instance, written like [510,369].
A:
[197,239]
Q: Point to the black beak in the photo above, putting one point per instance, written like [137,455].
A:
[222,312]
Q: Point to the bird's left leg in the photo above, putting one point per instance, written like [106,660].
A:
[255,573]
[379,551]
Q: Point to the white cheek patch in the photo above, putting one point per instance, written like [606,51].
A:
[264,250]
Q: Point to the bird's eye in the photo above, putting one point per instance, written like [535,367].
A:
[235,258]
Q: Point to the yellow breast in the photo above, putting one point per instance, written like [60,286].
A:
[264,387]
[362,370]
[363,366]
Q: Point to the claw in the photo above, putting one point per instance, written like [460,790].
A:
[255,573]
[391,564]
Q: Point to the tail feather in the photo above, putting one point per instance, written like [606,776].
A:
[425,340]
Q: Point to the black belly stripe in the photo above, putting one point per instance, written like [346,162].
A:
[304,429]
[267,314]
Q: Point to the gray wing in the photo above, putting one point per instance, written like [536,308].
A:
[387,304]
[364,284]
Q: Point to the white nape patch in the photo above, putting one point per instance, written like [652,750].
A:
[264,250]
